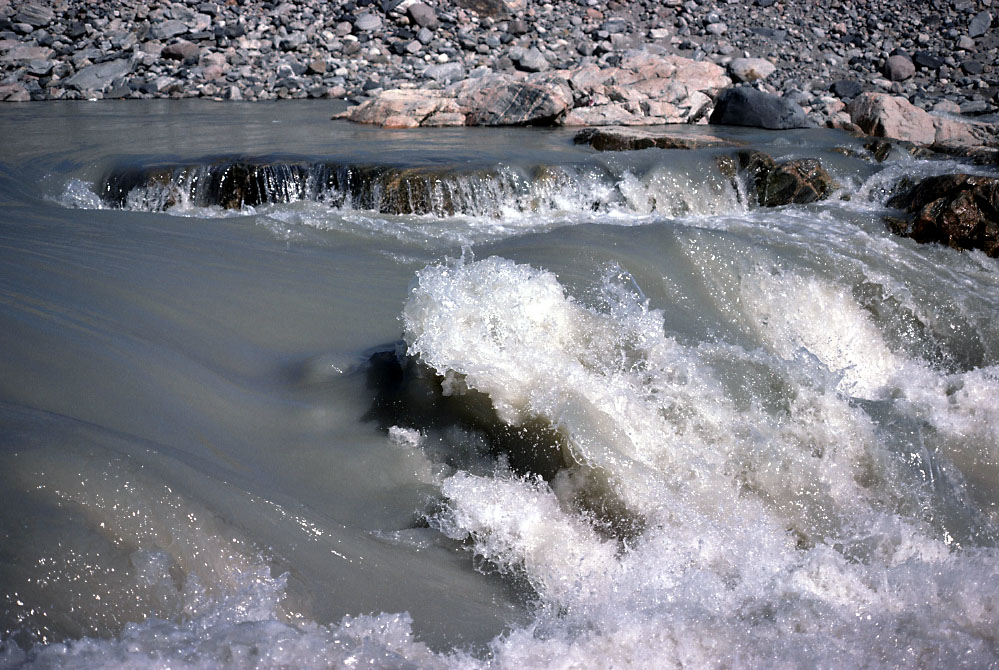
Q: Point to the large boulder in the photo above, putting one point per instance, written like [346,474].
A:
[392,107]
[34,14]
[744,106]
[496,100]
[958,210]
[99,77]
[883,115]
[644,89]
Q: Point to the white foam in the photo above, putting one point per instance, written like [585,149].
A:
[777,523]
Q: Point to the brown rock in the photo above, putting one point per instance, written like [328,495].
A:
[182,50]
[958,210]
[621,139]
[798,181]
[795,182]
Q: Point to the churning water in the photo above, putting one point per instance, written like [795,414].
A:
[277,391]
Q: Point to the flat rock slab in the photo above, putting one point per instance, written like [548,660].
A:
[98,77]
[631,139]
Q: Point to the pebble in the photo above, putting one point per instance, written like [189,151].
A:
[336,48]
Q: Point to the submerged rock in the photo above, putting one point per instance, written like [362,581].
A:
[958,210]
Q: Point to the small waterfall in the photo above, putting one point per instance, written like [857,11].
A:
[440,191]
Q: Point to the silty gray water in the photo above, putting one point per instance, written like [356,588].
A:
[597,405]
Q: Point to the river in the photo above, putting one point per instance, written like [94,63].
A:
[570,409]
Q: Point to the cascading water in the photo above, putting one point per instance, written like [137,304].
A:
[634,419]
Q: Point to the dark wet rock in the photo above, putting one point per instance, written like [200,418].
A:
[798,181]
[237,184]
[958,210]
[743,106]
[882,149]
[630,139]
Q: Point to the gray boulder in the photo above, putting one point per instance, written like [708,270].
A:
[423,15]
[34,15]
[529,60]
[502,101]
[899,68]
[980,24]
[98,77]
[366,23]
[743,106]
[445,72]
[167,29]
[958,210]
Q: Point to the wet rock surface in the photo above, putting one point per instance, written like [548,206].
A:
[772,184]
[928,53]
[957,210]
[631,139]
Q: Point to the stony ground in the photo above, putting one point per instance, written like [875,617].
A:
[940,54]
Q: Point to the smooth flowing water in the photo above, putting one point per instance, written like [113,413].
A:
[472,397]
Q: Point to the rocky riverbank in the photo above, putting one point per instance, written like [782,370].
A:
[940,56]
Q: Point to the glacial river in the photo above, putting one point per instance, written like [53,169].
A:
[560,408]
